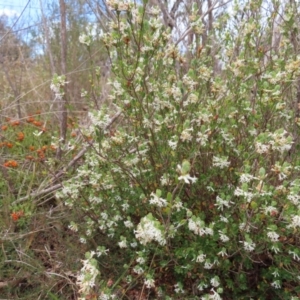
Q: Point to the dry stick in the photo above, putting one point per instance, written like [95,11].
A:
[55,187]
[62,102]
[190,29]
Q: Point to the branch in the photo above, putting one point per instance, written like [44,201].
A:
[53,188]
[190,29]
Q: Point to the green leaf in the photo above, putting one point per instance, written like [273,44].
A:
[186,167]
[262,172]
[169,197]
[158,193]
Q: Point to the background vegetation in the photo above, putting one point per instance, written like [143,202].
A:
[150,150]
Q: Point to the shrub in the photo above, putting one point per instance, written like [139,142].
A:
[191,185]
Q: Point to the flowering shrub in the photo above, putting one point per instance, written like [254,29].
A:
[195,182]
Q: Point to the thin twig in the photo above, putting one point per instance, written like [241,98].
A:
[53,188]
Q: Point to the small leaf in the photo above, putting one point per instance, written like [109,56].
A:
[186,167]
[169,197]
[158,193]
[262,172]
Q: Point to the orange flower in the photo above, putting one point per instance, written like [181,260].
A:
[41,153]
[17,215]
[4,127]
[29,157]
[41,156]
[30,119]
[20,136]
[15,123]
[9,145]
[44,148]
[73,134]
[10,164]
[13,163]
[31,148]
[37,123]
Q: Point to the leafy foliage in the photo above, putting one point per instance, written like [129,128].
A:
[197,183]
[183,183]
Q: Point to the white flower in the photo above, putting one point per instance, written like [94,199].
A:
[244,227]
[295,222]
[88,273]
[223,219]
[149,230]
[275,273]
[202,286]
[85,39]
[273,236]
[295,255]
[248,195]
[209,231]
[104,215]
[37,133]
[221,162]
[101,251]
[275,249]
[245,178]
[281,141]
[125,206]
[201,258]
[248,246]
[103,296]
[178,205]
[83,93]
[73,226]
[187,178]
[276,284]
[271,210]
[138,270]
[155,200]
[223,237]
[215,281]
[82,240]
[178,288]
[197,226]
[123,244]
[57,83]
[119,5]
[149,283]
[222,252]
[294,198]
[202,138]
[185,135]
[208,265]
[222,203]
[165,180]
[213,295]
[128,224]
[261,148]
[172,144]
[140,260]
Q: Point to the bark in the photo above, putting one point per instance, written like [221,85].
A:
[63,101]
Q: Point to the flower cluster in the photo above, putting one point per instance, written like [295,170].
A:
[148,230]
[87,276]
